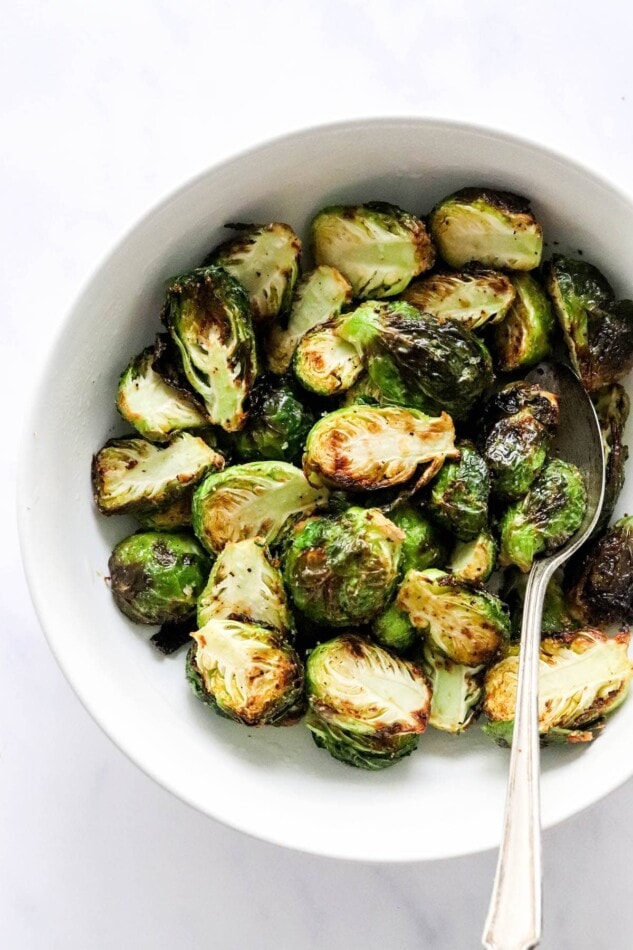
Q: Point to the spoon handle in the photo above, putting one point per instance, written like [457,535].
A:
[514,915]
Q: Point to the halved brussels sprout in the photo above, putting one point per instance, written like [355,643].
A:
[265,260]
[583,676]
[472,562]
[612,407]
[423,544]
[601,582]
[176,514]
[378,247]
[363,448]
[417,360]
[367,706]
[156,576]
[244,585]
[556,618]
[150,403]
[493,228]
[319,296]
[325,363]
[456,690]
[525,335]
[598,329]
[459,495]
[132,475]
[208,315]
[278,423]
[546,518]
[245,672]
[469,626]
[393,630]
[472,297]
[250,501]
[342,569]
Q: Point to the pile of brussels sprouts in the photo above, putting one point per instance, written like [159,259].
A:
[342,477]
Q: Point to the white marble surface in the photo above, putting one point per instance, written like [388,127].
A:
[104,108]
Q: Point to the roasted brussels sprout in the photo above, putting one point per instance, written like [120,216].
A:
[601,581]
[525,335]
[245,671]
[265,261]
[325,363]
[473,297]
[583,676]
[546,518]
[514,397]
[378,247]
[468,625]
[459,495]
[156,576]
[277,426]
[342,569]
[363,448]
[176,514]
[132,475]
[417,360]
[472,562]
[245,585]
[319,296]
[612,407]
[367,706]
[493,228]
[557,616]
[151,404]
[598,329]
[456,690]
[423,544]
[393,629]
[208,315]
[251,500]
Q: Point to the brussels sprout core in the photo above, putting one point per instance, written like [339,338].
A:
[363,448]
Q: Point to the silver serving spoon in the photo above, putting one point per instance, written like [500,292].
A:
[514,915]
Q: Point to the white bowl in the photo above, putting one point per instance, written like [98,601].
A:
[446,799]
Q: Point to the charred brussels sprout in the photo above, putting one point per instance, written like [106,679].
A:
[156,577]
[367,706]
[319,296]
[393,630]
[521,395]
[456,691]
[601,588]
[378,247]
[208,316]
[278,424]
[598,329]
[363,448]
[154,406]
[556,618]
[244,585]
[423,544]
[612,407]
[265,261]
[583,676]
[525,335]
[459,495]
[472,562]
[245,671]
[341,570]
[132,475]
[325,363]
[546,518]
[473,297]
[251,500]
[417,360]
[469,626]
[493,228]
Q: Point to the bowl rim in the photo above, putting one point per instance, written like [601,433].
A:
[115,733]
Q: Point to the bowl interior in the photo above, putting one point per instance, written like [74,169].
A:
[446,799]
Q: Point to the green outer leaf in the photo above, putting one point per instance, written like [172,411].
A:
[363,752]
[459,495]
[525,335]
